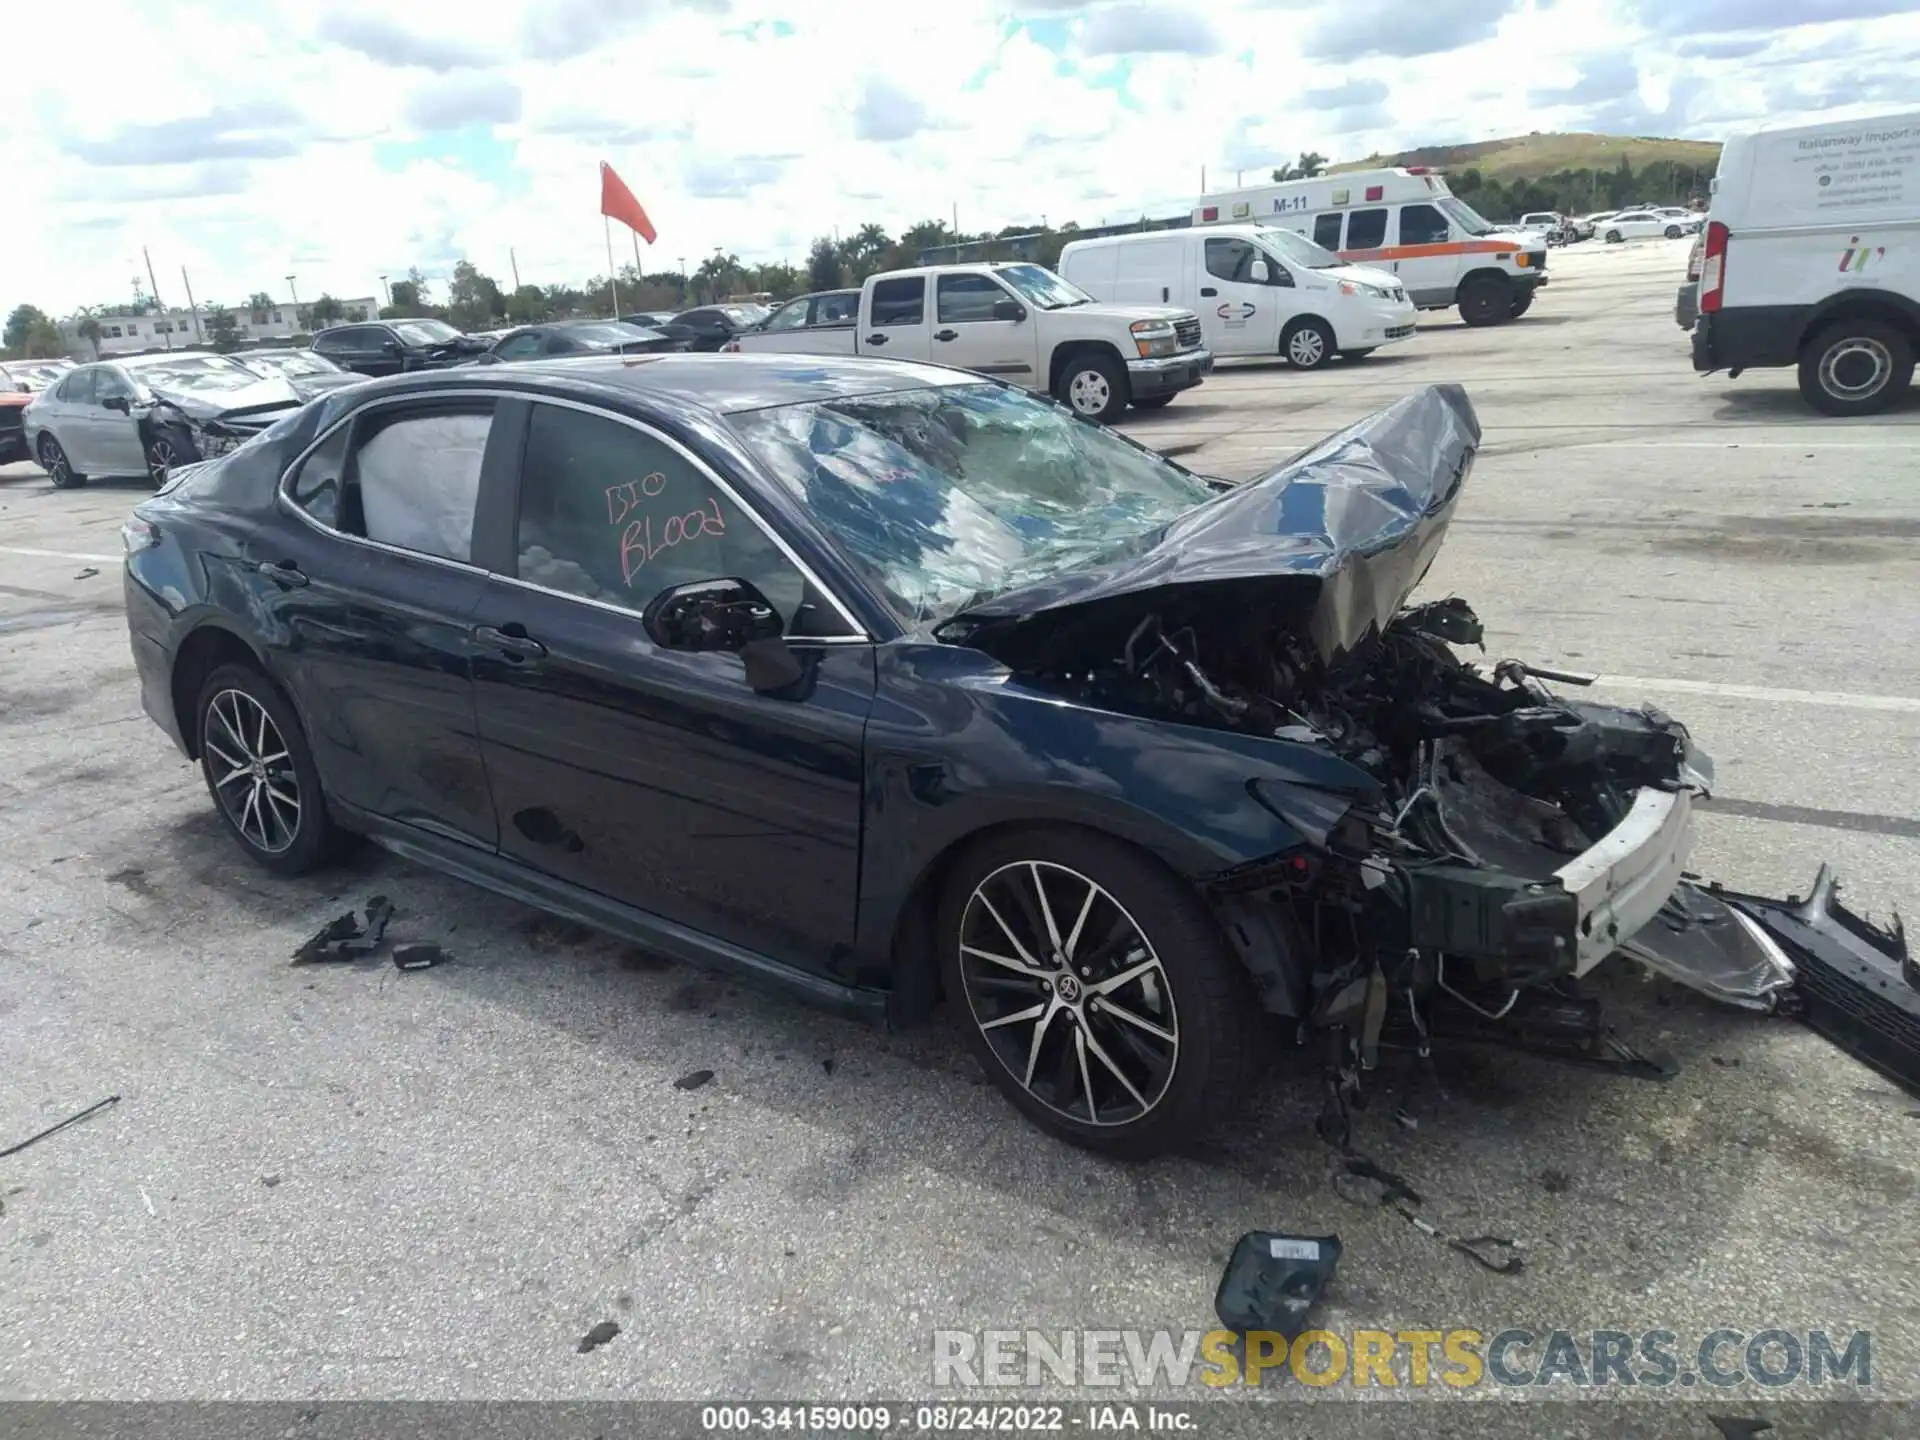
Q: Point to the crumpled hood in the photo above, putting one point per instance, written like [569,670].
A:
[263,394]
[308,386]
[1344,530]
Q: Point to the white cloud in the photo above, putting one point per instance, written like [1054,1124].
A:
[339,140]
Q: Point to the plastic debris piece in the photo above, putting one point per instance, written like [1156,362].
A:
[1272,1281]
[418,955]
[693,1080]
[52,1129]
[597,1336]
[343,938]
[87,574]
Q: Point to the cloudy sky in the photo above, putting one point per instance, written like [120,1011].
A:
[339,140]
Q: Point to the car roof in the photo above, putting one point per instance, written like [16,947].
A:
[716,384]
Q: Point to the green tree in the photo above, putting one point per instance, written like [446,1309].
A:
[89,328]
[1310,164]
[527,305]
[474,300]
[862,250]
[823,265]
[223,331]
[925,236]
[44,341]
[409,298]
[325,311]
[20,325]
[783,282]
[718,275]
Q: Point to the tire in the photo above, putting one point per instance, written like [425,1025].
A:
[1522,303]
[1614,237]
[164,451]
[1486,300]
[1188,989]
[1307,344]
[1856,367]
[60,471]
[1094,386]
[1153,402]
[1673,232]
[227,717]
[1359,354]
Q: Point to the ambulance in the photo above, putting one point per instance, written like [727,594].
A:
[1406,222]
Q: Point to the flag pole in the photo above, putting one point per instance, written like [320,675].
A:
[612,283]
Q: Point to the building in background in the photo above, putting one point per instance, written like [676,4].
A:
[131,331]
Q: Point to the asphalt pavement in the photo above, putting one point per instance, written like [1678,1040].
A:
[348,1182]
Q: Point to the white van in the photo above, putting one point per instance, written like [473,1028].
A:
[1405,221]
[1812,258]
[1257,291]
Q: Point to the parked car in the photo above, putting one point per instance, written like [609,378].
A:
[1257,291]
[1686,305]
[651,319]
[1024,325]
[577,337]
[13,426]
[710,327]
[791,326]
[1813,265]
[309,372]
[146,414]
[27,377]
[1689,221]
[391,347]
[1641,225]
[876,681]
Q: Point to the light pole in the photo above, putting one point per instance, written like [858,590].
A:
[386,289]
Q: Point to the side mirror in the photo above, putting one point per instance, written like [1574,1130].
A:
[390,347]
[1009,309]
[1258,273]
[710,615]
[118,402]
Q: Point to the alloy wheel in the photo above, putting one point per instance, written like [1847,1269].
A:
[260,791]
[1068,993]
[54,461]
[1089,392]
[161,458]
[1855,369]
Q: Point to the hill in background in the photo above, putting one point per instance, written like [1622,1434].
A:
[1526,157]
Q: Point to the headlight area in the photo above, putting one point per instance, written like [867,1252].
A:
[1154,338]
[212,439]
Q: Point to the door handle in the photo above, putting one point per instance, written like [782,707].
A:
[1163,294]
[285,575]
[516,647]
[876,339]
[946,334]
[1206,290]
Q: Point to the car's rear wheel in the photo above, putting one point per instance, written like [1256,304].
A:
[59,469]
[1094,386]
[1486,300]
[1095,988]
[1674,232]
[1614,237]
[260,772]
[1307,344]
[1856,367]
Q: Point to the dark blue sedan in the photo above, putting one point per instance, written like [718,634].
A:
[885,684]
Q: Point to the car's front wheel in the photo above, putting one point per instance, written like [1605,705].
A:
[1673,232]
[163,453]
[1094,386]
[1486,300]
[1522,303]
[59,469]
[1308,344]
[1855,367]
[1095,988]
[260,772]
[1614,237]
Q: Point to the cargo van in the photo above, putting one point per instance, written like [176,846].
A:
[1812,259]
[1257,291]
[1405,221]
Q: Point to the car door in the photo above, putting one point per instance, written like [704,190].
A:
[366,578]
[524,346]
[1239,315]
[970,336]
[656,777]
[785,330]
[70,420]
[895,326]
[1424,255]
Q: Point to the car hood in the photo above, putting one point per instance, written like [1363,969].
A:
[1101,309]
[1340,533]
[1363,275]
[277,393]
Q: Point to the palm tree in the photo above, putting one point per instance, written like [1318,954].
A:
[89,327]
[718,274]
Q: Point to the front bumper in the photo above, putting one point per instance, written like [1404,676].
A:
[1169,374]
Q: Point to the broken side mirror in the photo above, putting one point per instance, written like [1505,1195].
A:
[728,615]
[1009,310]
[118,402]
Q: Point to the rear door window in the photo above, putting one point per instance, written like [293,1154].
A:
[407,476]
[1326,231]
[900,302]
[1366,229]
[77,388]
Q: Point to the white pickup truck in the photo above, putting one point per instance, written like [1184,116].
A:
[1015,322]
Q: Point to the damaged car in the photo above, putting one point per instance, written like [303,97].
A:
[143,415]
[887,685]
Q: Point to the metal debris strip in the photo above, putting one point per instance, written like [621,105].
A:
[91,1110]
[1360,1175]
[343,938]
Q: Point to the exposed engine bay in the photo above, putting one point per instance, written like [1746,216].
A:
[1486,841]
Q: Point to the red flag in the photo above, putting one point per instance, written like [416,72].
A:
[617,201]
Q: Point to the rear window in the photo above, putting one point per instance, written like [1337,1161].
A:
[1366,229]
[900,302]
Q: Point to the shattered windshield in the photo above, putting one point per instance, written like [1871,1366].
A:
[947,496]
[1042,288]
[292,362]
[200,373]
[424,332]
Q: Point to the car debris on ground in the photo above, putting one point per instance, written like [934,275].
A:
[344,938]
[1272,1281]
[85,1114]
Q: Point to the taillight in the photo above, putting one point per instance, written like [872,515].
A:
[1713,268]
[139,534]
